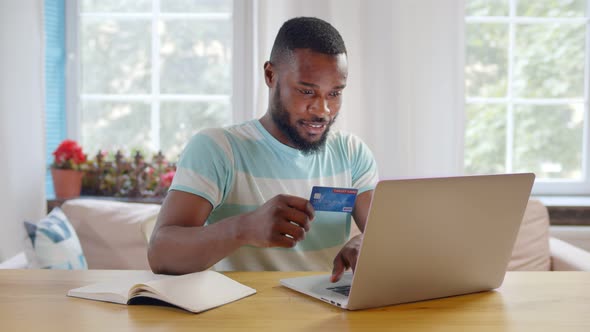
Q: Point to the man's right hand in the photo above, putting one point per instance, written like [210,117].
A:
[280,222]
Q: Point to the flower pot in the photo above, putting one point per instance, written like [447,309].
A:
[66,182]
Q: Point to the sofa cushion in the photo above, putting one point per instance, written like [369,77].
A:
[111,232]
[531,250]
[52,243]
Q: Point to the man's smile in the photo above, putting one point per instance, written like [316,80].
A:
[314,128]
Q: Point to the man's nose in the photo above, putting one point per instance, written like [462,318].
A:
[320,107]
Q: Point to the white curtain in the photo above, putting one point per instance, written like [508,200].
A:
[22,160]
[405,86]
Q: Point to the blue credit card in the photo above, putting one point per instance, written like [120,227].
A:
[333,199]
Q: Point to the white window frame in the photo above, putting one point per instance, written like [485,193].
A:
[542,186]
[243,95]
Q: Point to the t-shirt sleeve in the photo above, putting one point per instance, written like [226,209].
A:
[205,167]
[363,166]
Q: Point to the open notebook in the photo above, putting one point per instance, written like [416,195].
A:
[194,292]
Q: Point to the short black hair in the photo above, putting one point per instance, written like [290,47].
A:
[306,32]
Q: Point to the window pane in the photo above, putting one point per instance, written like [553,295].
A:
[485,139]
[110,126]
[551,8]
[549,61]
[116,6]
[548,140]
[196,6]
[115,56]
[486,68]
[486,8]
[196,57]
[180,120]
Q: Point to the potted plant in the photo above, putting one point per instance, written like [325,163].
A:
[66,169]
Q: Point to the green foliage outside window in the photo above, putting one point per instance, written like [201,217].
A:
[548,62]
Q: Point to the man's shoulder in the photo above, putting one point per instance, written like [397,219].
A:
[212,132]
[242,131]
[218,134]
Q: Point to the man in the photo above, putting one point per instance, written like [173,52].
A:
[239,197]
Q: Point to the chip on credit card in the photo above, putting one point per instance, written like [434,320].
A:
[333,199]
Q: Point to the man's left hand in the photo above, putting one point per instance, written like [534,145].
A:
[346,258]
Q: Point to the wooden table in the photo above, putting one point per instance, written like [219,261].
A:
[35,300]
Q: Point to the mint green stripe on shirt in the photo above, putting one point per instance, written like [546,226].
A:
[284,166]
[206,157]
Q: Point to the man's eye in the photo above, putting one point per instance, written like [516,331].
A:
[306,92]
[336,93]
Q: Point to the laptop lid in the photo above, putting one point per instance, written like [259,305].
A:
[436,237]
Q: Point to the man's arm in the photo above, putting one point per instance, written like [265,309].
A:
[348,255]
[181,243]
[361,209]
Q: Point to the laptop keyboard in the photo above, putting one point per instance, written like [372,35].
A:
[344,290]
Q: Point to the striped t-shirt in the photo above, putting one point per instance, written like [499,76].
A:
[239,168]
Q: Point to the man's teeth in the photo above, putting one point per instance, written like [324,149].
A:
[316,125]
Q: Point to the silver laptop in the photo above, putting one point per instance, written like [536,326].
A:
[430,238]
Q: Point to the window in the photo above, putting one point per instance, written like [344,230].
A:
[146,75]
[526,74]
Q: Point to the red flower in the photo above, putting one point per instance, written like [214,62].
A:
[68,155]
[166,179]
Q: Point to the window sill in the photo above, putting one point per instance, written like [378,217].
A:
[567,210]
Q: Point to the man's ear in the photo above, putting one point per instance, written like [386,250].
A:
[270,76]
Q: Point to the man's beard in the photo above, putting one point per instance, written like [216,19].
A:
[282,120]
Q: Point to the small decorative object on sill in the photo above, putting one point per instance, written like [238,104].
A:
[128,177]
[67,183]
[67,169]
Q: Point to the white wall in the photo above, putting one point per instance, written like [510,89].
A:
[408,99]
[22,169]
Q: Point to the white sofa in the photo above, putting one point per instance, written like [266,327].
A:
[114,235]
[537,250]
[579,236]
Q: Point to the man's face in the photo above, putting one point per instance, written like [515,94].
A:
[306,98]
